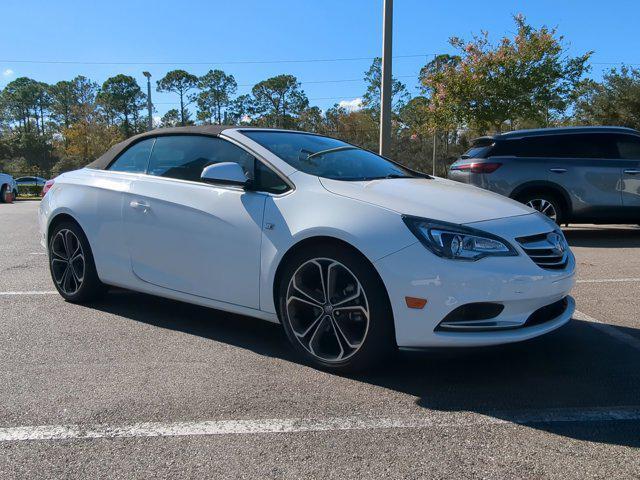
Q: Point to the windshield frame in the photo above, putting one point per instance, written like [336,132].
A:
[347,146]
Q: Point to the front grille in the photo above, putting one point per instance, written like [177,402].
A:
[548,250]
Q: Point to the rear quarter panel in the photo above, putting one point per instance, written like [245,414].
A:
[94,199]
[515,171]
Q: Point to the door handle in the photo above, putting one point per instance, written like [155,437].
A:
[558,170]
[632,171]
[140,205]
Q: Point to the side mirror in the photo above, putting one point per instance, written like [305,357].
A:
[225,173]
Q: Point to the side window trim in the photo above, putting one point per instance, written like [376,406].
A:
[153,145]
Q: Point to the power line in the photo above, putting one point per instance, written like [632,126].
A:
[315,98]
[232,62]
[333,81]
[616,63]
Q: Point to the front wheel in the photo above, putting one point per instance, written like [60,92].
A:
[73,270]
[335,310]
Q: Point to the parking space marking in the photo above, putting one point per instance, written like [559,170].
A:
[609,329]
[609,280]
[301,425]
[30,292]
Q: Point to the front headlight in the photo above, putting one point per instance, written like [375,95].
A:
[457,242]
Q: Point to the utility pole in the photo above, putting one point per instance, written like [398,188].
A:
[433,161]
[385,94]
[149,104]
[435,132]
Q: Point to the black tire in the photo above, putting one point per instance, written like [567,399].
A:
[536,199]
[379,337]
[2,190]
[90,287]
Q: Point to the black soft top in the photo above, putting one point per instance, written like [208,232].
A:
[103,161]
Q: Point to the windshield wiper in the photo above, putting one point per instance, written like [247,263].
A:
[331,150]
[397,175]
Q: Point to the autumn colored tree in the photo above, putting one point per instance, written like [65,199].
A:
[493,86]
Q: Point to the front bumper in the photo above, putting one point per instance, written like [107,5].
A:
[517,283]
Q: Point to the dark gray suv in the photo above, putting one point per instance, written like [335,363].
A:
[573,175]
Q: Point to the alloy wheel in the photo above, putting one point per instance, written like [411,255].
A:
[544,206]
[67,261]
[327,309]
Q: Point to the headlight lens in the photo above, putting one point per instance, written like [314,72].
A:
[456,241]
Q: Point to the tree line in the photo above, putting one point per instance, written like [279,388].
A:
[522,81]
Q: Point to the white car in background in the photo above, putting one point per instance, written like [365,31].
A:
[352,253]
[7,184]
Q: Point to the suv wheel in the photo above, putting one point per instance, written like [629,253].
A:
[546,204]
[334,309]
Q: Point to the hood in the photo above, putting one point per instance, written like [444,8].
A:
[435,198]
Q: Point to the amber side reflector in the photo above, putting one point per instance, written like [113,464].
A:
[415,302]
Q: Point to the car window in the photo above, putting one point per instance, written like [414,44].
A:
[185,156]
[135,158]
[628,147]
[327,157]
[592,145]
[267,180]
[477,152]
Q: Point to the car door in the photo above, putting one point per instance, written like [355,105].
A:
[585,165]
[193,237]
[629,151]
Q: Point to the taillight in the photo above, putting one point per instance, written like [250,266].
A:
[47,185]
[477,167]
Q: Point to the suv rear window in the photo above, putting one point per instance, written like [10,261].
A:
[476,152]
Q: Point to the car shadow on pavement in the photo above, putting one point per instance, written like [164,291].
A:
[603,237]
[577,367]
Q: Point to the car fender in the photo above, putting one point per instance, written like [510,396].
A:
[372,230]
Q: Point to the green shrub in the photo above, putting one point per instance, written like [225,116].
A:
[29,190]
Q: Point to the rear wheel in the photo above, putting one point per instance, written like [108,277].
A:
[545,203]
[3,191]
[334,309]
[71,264]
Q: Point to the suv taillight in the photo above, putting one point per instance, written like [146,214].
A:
[477,167]
[47,185]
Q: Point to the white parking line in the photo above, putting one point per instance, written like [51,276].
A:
[609,280]
[301,425]
[30,292]
[609,329]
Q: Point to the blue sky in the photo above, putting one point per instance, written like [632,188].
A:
[217,32]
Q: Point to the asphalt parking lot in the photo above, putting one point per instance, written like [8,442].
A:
[136,386]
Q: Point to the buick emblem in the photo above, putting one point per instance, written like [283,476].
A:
[556,241]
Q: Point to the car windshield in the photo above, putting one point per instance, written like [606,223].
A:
[327,157]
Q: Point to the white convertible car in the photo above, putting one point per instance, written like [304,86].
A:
[353,254]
